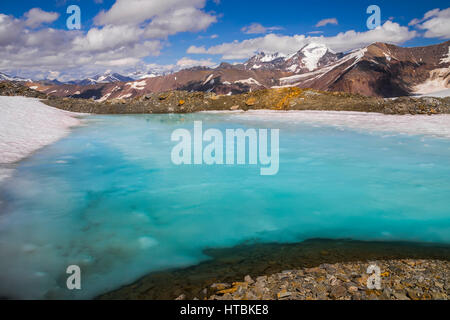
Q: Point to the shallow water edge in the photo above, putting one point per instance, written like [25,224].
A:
[233,264]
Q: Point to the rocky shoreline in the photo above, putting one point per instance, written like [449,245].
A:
[400,280]
[286,99]
[283,99]
[316,269]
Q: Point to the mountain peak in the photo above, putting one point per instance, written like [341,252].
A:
[311,57]
[314,45]
[312,53]
[264,60]
[107,77]
[5,77]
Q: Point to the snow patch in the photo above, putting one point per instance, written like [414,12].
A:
[207,79]
[104,98]
[138,85]
[293,68]
[437,94]
[125,96]
[435,126]
[26,125]
[446,59]
[249,81]
[437,82]
[313,53]
[272,57]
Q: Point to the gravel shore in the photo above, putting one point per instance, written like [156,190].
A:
[284,99]
[400,280]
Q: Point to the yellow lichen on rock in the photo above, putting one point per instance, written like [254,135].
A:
[287,95]
[250,102]
[231,291]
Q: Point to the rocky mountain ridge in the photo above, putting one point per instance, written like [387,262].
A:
[379,70]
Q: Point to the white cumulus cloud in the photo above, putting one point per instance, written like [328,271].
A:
[185,62]
[436,23]
[257,28]
[36,17]
[122,37]
[389,32]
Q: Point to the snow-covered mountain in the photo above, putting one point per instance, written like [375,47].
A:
[265,61]
[311,57]
[381,70]
[308,58]
[5,77]
[107,77]
[139,75]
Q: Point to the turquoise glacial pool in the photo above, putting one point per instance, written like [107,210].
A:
[108,199]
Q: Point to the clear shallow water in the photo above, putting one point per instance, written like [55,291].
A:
[108,198]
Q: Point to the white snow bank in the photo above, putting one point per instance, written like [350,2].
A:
[249,81]
[437,82]
[438,94]
[435,126]
[26,125]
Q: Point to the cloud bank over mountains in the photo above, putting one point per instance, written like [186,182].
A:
[436,24]
[122,36]
[389,32]
[131,32]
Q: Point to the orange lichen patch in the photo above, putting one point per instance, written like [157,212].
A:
[287,96]
[230,291]
[164,96]
[181,102]
[250,102]
[240,284]
[235,287]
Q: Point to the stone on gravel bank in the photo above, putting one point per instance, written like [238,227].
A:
[268,99]
[400,280]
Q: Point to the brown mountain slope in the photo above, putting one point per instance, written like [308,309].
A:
[226,79]
[380,70]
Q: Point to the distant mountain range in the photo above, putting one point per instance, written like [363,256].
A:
[107,77]
[307,59]
[381,70]
[5,77]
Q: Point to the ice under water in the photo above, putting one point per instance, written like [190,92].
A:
[109,199]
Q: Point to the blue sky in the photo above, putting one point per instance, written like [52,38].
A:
[167,34]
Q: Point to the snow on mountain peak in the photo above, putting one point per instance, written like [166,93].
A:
[446,59]
[313,52]
[12,78]
[271,57]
